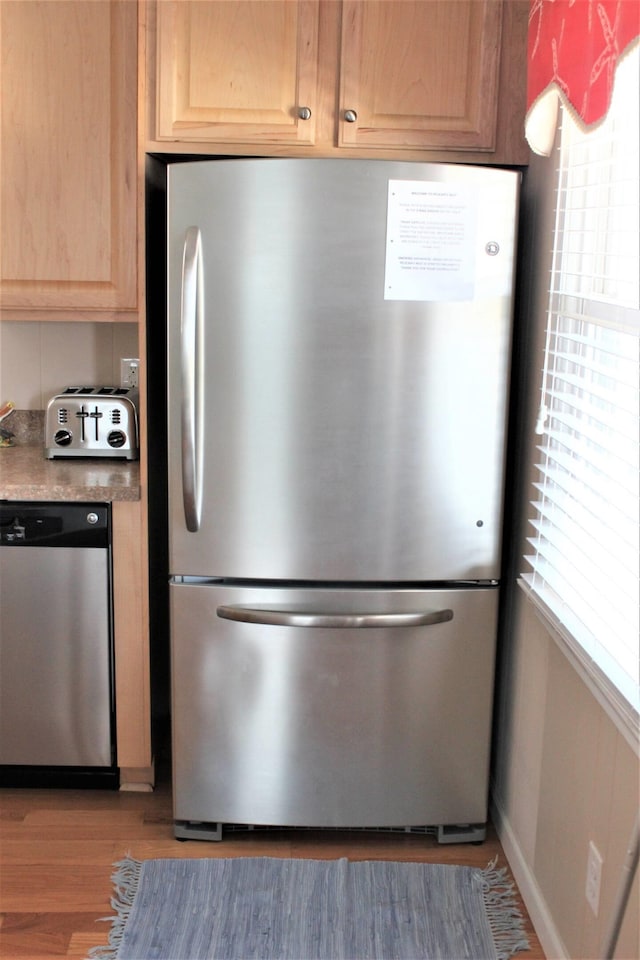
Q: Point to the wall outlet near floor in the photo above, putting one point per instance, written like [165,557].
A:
[594,872]
[129,368]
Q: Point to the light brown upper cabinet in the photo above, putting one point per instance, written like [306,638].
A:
[245,71]
[339,77]
[68,173]
[419,74]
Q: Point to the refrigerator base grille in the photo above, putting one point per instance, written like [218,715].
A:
[449,833]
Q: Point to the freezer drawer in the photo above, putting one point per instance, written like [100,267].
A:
[318,718]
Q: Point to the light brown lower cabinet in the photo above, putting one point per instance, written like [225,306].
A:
[132,664]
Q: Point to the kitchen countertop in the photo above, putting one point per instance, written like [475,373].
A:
[26,474]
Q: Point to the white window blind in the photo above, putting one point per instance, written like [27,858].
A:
[584,564]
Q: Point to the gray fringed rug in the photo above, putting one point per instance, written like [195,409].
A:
[263,908]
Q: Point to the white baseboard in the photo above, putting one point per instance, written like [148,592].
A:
[534,901]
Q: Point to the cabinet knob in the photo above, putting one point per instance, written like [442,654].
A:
[350,116]
[304,113]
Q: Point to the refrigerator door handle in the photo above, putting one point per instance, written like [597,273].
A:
[307,618]
[191,315]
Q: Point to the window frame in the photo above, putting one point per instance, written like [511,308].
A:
[621,701]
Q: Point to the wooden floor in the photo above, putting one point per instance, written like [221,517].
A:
[58,847]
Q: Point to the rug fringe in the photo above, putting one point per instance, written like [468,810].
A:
[125,880]
[505,919]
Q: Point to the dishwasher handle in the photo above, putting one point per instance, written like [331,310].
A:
[308,618]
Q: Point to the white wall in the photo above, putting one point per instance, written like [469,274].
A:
[37,360]
[564,774]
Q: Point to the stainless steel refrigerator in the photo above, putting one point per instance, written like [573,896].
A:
[338,362]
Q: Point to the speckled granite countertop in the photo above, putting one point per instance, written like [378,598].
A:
[26,474]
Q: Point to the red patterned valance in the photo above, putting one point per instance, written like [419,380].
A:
[574,46]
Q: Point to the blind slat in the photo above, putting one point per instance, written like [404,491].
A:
[564,607]
[624,396]
[585,529]
[616,443]
[553,533]
[588,466]
[607,514]
[622,373]
[581,597]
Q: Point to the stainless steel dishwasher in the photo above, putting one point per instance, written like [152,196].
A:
[56,649]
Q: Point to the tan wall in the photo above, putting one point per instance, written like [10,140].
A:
[38,359]
[567,776]
[564,775]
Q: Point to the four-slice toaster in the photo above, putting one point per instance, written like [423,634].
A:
[92,422]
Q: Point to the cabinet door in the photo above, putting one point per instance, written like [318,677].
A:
[68,177]
[242,72]
[419,74]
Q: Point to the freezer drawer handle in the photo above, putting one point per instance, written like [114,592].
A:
[191,333]
[304,618]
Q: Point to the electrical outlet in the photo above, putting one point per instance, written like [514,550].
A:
[594,872]
[129,372]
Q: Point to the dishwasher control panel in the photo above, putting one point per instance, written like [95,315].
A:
[27,524]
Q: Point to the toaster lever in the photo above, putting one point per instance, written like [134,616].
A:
[82,415]
[96,414]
